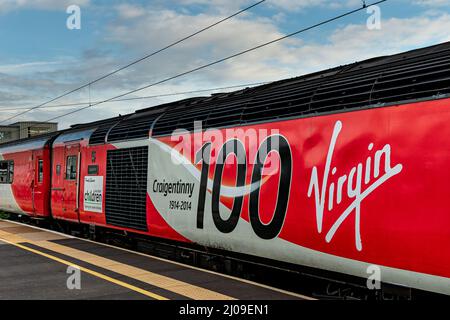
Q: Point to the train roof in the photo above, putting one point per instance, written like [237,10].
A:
[33,143]
[410,76]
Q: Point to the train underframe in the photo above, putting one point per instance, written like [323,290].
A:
[316,283]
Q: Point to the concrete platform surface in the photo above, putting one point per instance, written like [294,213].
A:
[41,264]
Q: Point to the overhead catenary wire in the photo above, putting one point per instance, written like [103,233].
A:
[348,13]
[135,61]
[162,95]
[248,85]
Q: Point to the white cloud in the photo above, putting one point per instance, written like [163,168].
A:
[287,58]
[128,11]
[303,4]
[287,5]
[8,5]
[355,43]
[140,30]
[159,28]
[433,3]
[27,67]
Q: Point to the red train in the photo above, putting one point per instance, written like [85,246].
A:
[336,170]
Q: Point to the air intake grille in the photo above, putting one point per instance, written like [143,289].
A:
[126,188]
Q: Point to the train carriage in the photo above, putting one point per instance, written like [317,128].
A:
[25,176]
[338,170]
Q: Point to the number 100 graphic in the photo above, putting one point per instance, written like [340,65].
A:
[274,143]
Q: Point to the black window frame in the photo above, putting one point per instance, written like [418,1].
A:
[40,170]
[72,169]
[9,171]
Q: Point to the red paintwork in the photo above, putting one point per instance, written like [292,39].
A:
[100,160]
[405,223]
[159,227]
[155,222]
[64,202]
[32,196]
[407,214]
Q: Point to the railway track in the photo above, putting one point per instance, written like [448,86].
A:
[309,282]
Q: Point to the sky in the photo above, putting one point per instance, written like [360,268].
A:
[40,58]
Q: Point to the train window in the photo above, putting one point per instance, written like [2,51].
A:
[3,172]
[71,168]
[58,169]
[93,169]
[40,170]
[11,171]
[6,172]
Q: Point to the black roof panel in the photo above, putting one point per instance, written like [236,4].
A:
[418,74]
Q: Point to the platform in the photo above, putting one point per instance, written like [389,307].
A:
[37,264]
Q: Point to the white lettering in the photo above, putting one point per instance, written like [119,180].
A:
[354,186]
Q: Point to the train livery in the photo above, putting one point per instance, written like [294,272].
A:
[338,170]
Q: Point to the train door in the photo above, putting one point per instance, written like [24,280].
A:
[37,184]
[71,182]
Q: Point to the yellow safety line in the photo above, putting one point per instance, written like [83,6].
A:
[177,286]
[225,276]
[92,272]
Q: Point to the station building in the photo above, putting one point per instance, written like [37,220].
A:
[20,130]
